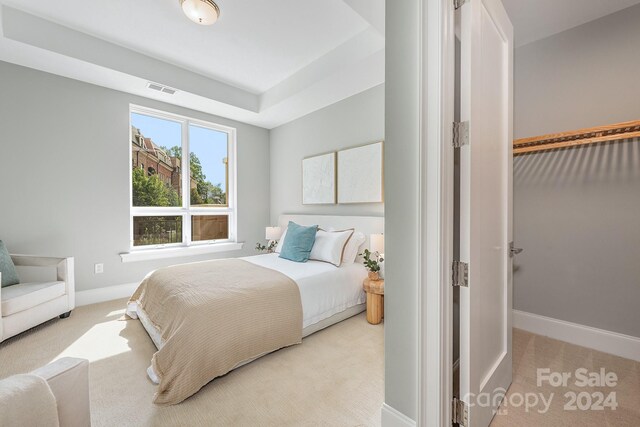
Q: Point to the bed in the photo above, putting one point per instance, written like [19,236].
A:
[310,296]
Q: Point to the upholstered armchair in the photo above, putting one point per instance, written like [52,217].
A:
[26,305]
[58,396]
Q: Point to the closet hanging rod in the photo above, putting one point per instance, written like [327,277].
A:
[615,132]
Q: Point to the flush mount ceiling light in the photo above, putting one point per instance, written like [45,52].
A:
[203,12]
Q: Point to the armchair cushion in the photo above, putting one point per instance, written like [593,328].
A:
[7,268]
[27,295]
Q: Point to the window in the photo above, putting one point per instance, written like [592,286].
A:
[170,208]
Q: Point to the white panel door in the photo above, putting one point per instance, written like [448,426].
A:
[486,92]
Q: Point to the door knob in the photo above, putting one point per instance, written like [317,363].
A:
[513,250]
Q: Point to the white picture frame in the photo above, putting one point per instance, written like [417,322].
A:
[319,179]
[360,174]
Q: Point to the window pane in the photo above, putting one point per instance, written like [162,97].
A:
[209,227]
[209,166]
[156,230]
[156,150]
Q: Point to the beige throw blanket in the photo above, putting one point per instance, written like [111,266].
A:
[213,316]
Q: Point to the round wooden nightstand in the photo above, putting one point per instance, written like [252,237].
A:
[375,300]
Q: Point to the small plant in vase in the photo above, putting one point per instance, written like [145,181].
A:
[372,262]
[269,248]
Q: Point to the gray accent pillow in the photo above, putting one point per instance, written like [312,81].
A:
[8,270]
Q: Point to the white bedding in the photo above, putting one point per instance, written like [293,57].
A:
[325,289]
[329,294]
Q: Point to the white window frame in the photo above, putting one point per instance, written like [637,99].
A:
[185,211]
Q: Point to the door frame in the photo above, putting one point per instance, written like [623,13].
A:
[435,329]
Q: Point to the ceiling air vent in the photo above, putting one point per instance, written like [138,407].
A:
[161,88]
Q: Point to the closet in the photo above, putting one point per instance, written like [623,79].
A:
[577,216]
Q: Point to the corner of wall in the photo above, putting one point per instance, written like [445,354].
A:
[391,417]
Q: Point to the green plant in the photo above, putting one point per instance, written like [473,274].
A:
[204,193]
[372,260]
[149,190]
[266,248]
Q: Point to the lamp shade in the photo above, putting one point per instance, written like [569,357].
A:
[203,12]
[376,243]
[273,233]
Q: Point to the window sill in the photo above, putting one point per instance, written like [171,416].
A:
[151,254]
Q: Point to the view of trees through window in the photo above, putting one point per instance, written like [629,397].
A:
[157,178]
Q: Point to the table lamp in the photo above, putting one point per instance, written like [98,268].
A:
[272,233]
[376,243]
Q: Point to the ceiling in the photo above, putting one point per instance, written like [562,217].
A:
[254,45]
[263,62]
[537,19]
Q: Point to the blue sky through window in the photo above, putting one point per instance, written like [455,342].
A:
[211,148]
[209,145]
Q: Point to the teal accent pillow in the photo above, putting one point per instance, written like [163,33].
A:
[8,270]
[298,242]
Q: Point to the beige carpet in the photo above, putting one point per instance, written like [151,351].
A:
[334,378]
[531,352]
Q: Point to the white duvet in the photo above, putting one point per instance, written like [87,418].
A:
[325,289]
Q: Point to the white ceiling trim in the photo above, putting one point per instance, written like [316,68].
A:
[254,45]
[350,80]
[363,45]
[534,20]
[371,11]
[30,30]
[350,68]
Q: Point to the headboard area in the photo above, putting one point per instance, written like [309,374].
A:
[367,225]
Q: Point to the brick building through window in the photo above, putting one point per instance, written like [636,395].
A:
[146,155]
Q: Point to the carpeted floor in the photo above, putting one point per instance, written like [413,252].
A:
[523,404]
[334,378]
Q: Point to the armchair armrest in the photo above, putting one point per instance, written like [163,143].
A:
[36,261]
[68,379]
[64,268]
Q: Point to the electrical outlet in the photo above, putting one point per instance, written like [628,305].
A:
[98,268]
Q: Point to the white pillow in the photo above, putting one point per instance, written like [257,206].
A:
[280,242]
[329,246]
[353,248]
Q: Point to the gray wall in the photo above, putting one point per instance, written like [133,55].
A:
[351,122]
[401,217]
[577,211]
[65,174]
[583,77]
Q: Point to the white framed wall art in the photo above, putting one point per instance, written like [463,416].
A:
[360,174]
[319,179]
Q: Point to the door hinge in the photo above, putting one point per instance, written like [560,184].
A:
[513,251]
[460,274]
[457,4]
[460,134]
[459,412]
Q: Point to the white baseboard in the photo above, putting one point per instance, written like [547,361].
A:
[598,339]
[391,417]
[108,293]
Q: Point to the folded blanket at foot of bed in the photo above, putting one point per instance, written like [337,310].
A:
[214,316]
